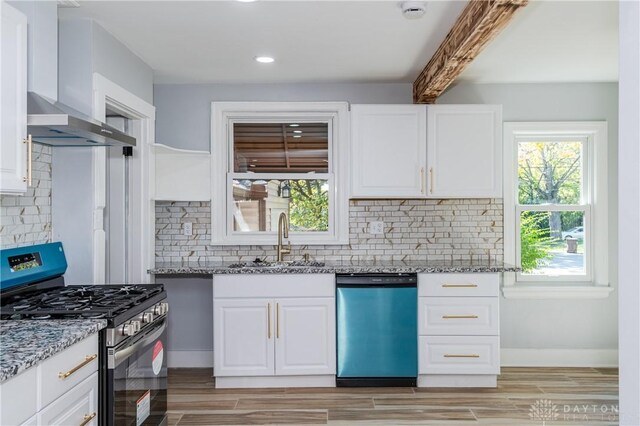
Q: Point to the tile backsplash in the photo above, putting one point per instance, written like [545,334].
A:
[447,230]
[26,219]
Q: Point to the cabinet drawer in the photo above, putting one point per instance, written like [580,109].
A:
[77,362]
[18,397]
[458,316]
[459,355]
[471,285]
[75,407]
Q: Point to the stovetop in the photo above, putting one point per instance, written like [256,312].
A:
[79,301]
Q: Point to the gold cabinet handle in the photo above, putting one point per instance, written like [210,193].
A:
[87,418]
[29,176]
[87,360]
[430,180]
[461,356]
[277,320]
[459,285]
[459,317]
[422,180]
[269,320]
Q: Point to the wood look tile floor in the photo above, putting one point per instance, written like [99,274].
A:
[581,396]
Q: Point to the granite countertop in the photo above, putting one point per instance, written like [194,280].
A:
[213,268]
[23,344]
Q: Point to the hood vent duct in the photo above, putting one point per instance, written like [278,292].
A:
[53,123]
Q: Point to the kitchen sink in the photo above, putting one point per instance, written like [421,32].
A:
[287,264]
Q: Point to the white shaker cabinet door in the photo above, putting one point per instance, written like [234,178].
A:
[13,100]
[243,337]
[388,155]
[305,336]
[464,151]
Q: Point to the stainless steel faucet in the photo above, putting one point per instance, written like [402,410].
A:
[283,231]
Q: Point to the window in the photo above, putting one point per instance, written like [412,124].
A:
[555,202]
[273,158]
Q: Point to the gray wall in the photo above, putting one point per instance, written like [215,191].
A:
[183,112]
[85,48]
[559,324]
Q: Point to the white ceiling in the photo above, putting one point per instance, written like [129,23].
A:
[352,41]
[552,41]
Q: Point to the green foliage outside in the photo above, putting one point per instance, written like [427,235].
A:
[309,205]
[534,241]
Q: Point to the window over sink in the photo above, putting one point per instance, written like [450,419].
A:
[273,158]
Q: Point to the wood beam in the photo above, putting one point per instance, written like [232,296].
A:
[477,25]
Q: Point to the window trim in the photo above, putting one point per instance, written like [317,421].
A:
[225,113]
[595,133]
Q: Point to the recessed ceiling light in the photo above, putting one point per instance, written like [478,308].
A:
[297,131]
[264,59]
[252,165]
[297,136]
[246,1]
[294,125]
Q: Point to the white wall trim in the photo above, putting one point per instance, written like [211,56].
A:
[190,359]
[559,357]
[142,226]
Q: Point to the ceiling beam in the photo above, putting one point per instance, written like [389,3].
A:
[477,25]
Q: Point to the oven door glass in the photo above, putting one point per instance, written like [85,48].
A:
[138,373]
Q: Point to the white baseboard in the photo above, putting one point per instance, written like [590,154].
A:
[190,359]
[559,357]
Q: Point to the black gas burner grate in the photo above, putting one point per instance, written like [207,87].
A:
[95,301]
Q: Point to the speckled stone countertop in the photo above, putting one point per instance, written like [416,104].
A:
[25,343]
[332,268]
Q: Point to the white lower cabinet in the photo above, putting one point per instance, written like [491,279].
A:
[243,341]
[61,390]
[79,406]
[459,330]
[287,339]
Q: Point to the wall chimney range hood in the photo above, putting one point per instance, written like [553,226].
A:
[53,123]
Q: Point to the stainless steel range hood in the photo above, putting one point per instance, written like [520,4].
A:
[56,124]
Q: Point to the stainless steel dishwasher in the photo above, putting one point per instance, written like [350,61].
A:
[377,329]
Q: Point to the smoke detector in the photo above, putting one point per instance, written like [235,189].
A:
[413,9]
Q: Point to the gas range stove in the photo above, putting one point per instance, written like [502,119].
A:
[131,348]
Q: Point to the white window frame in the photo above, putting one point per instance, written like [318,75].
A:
[595,283]
[225,114]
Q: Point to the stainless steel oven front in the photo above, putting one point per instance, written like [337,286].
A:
[136,379]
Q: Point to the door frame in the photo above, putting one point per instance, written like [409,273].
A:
[141,251]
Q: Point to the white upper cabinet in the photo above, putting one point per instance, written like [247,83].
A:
[13,107]
[388,151]
[464,151]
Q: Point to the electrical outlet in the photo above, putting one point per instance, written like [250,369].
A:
[376,228]
[187,228]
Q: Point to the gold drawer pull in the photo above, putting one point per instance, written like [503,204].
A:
[459,317]
[86,361]
[461,356]
[87,418]
[459,285]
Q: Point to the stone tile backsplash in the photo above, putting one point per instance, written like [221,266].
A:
[447,230]
[26,219]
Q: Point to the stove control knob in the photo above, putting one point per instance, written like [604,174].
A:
[127,329]
[147,317]
[165,307]
[136,326]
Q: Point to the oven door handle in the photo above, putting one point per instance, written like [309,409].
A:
[123,354]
